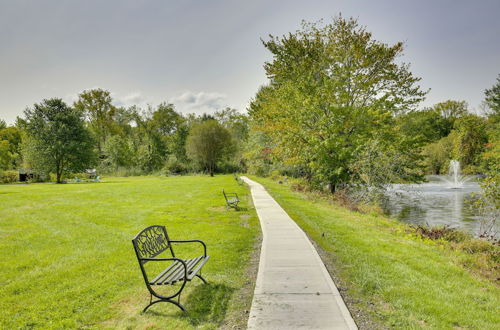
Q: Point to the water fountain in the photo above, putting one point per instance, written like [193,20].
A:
[443,200]
[454,172]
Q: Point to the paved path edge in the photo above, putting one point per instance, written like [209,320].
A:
[338,298]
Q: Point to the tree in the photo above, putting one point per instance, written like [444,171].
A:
[208,143]
[471,139]
[155,128]
[118,151]
[57,139]
[492,99]
[331,89]
[236,122]
[426,125]
[96,104]
[10,147]
[450,111]
[165,119]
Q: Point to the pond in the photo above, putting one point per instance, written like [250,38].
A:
[435,203]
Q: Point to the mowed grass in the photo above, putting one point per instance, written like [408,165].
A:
[68,262]
[402,282]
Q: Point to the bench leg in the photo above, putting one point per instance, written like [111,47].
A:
[201,277]
[164,300]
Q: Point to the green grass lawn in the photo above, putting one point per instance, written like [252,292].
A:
[401,281]
[68,261]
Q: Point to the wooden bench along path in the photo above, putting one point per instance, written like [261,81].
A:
[152,242]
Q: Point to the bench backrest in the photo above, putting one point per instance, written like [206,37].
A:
[230,195]
[151,241]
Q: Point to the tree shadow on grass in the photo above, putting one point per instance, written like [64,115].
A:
[208,303]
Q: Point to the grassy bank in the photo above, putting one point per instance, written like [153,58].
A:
[398,279]
[67,258]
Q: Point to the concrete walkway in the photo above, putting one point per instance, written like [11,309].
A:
[293,289]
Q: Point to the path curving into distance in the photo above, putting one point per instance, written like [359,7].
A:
[293,289]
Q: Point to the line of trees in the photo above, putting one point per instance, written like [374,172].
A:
[55,138]
[340,110]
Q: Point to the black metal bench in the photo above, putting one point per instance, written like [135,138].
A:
[231,198]
[238,179]
[149,244]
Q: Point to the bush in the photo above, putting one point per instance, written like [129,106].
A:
[9,176]
[175,166]
[229,167]
[442,232]
[477,246]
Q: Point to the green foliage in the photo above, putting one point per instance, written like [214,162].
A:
[176,166]
[437,155]
[9,176]
[332,90]
[377,165]
[96,105]
[57,140]
[119,152]
[237,123]
[209,143]
[164,119]
[490,158]
[451,110]
[471,139]
[10,147]
[425,126]
[492,99]
[257,153]
[5,155]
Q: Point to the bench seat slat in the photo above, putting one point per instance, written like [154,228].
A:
[174,267]
[175,271]
[195,271]
[168,269]
[179,274]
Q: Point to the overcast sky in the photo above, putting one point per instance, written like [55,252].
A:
[205,55]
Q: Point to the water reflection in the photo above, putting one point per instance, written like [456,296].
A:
[434,203]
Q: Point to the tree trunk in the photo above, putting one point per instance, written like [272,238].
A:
[58,172]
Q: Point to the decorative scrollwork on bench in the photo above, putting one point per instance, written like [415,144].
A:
[152,241]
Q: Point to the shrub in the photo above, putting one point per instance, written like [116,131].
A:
[477,246]
[9,176]
[229,167]
[175,166]
[442,232]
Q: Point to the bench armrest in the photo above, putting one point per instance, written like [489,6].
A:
[194,241]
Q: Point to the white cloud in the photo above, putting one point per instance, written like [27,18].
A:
[133,98]
[200,102]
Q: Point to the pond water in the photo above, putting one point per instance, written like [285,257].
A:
[435,203]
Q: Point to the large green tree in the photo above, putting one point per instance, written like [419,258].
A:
[96,104]
[208,143]
[332,89]
[57,139]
